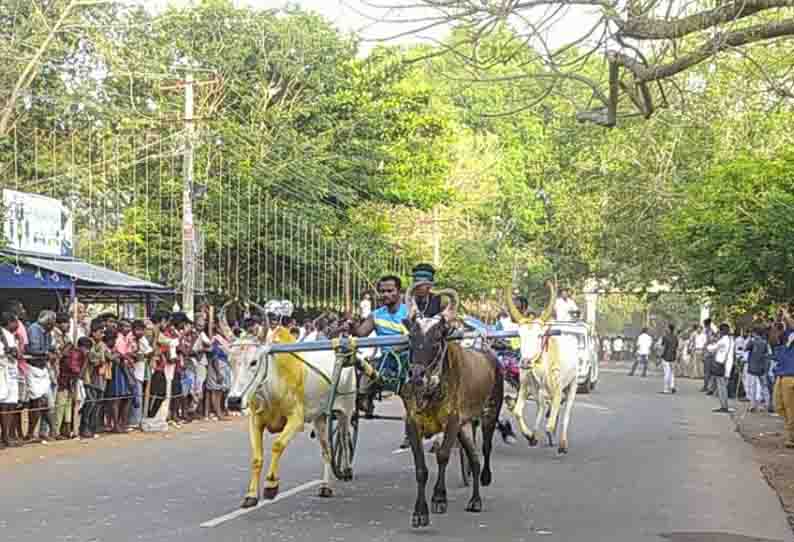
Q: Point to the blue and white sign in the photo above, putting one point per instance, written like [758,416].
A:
[37,224]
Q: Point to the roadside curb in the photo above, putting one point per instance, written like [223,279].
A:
[764,433]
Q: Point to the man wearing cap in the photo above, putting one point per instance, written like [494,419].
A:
[427,304]
[388,318]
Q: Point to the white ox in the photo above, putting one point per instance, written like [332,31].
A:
[548,373]
[283,392]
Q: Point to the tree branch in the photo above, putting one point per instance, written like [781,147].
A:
[29,74]
[651,28]
[718,43]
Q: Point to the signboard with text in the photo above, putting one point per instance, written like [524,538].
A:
[37,224]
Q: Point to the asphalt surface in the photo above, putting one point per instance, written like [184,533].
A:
[642,466]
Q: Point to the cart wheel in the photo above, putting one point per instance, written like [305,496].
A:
[342,442]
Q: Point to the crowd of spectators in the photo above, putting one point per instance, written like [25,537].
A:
[65,376]
[752,364]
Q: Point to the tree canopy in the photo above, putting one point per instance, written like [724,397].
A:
[317,167]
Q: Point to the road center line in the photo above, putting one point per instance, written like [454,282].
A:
[243,511]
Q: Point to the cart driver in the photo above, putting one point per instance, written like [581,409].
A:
[387,319]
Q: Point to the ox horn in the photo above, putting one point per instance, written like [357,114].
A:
[515,314]
[451,310]
[223,323]
[547,312]
[261,309]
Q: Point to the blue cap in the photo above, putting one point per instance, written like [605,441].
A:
[423,272]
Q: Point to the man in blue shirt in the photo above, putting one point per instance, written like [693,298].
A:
[41,352]
[387,320]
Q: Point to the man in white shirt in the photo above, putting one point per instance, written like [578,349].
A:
[722,365]
[564,306]
[644,345]
[9,384]
[740,345]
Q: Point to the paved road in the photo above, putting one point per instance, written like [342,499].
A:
[642,466]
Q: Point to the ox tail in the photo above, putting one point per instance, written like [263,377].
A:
[493,406]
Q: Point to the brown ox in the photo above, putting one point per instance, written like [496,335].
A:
[447,388]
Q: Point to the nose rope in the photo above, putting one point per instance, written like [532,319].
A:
[417,371]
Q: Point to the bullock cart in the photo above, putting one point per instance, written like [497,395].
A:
[342,433]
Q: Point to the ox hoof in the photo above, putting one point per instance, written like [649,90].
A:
[532,441]
[325,492]
[439,502]
[485,477]
[347,475]
[420,520]
[550,439]
[249,502]
[439,506]
[562,450]
[475,505]
[270,493]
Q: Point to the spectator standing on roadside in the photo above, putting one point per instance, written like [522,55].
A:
[644,345]
[217,372]
[71,366]
[699,350]
[63,343]
[41,352]
[784,387]
[722,364]
[9,384]
[21,336]
[758,362]
[94,379]
[742,344]
[201,349]
[143,354]
[709,383]
[669,355]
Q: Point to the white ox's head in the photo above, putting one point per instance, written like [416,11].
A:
[531,331]
[245,358]
[250,359]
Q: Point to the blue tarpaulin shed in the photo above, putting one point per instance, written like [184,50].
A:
[37,277]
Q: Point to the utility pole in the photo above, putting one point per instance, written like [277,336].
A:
[188,230]
[347,285]
[436,239]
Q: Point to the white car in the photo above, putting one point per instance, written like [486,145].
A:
[579,331]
